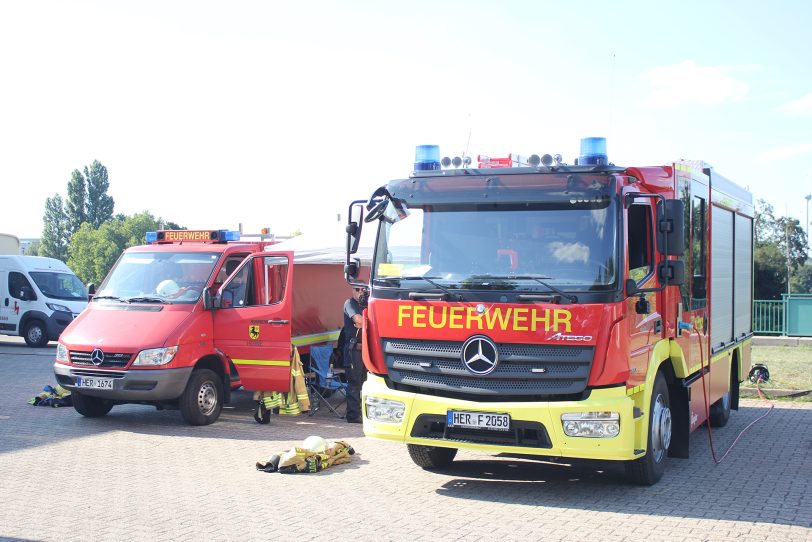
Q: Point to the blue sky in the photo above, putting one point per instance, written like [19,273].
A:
[278,114]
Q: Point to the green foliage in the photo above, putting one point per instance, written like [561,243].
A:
[76,204]
[33,248]
[780,249]
[99,204]
[93,251]
[800,282]
[55,230]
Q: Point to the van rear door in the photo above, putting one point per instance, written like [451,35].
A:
[252,326]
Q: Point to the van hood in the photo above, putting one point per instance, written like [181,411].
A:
[123,328]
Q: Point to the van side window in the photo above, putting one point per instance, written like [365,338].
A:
[16,283]
[640,242]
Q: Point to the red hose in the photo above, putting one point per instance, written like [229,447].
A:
[707,406]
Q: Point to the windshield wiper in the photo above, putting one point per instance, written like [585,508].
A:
[145,299]
[417,295]
[110,297]
[541,280]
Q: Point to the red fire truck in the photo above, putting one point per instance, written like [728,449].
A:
[183,320]
[534,308]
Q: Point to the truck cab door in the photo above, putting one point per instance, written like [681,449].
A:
[253,322]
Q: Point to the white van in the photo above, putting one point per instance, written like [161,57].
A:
[39,297]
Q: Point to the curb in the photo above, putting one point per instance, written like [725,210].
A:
[753,392]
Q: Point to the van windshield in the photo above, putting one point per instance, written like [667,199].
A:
[162,277]
[65,286]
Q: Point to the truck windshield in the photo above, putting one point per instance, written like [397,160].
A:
[564,245]
[65,286]
[158,277]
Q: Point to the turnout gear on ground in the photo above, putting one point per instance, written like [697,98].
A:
[53,397]
[300,459]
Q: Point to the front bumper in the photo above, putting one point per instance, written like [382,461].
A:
[536,427]
[128,386]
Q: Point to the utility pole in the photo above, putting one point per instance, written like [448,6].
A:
[807,198]
[786,242]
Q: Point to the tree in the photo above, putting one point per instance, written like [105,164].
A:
[99,204]
[76,204]
[33,248]
[801,280]
[55,230]
[780,249]
[93,251]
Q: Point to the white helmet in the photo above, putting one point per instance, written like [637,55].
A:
[167,288]
[315,444]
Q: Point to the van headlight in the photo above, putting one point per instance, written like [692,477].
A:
[57,307]
[156,356]
[61,353]
[591,424]
[385,410]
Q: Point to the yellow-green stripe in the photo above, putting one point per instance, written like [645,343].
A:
[271,362]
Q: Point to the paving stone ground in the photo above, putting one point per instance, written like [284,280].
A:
[141,474]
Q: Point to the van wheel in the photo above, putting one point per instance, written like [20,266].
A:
[92,407]
[35,334]
[647,470]
[202,400]
[431,457]
[720,410]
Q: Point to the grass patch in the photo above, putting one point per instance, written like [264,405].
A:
[790,367]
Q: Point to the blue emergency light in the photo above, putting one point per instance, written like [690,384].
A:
[152,236]
[427,157]
[593,151]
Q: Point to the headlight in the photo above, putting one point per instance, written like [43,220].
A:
[156,356]
[61,353]
[57,307]
[591,424]
[385,410]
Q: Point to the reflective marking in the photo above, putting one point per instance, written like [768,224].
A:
[315,338]
[271,362]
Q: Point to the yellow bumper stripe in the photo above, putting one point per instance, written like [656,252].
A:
[267,362]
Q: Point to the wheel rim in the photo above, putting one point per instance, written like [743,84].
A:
[207,398]
[660,428]
[35,334]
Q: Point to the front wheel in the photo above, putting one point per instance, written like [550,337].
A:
[431,457]
[35,334]
[202,400]
[92,407]
[648,470]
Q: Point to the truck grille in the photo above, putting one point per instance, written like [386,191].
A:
[110,360]
[523,369]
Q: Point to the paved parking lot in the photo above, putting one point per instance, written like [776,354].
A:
[140,474]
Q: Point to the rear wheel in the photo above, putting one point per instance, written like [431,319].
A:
[35,334]
[92,407]
[650,468]
[720,410]
[431,457]
[202,400]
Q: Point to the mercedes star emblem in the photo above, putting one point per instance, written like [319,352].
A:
[97,357]
[480,355]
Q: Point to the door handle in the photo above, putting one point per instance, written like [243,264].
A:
[278,321]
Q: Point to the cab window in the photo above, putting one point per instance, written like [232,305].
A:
[16,283]
[640,242]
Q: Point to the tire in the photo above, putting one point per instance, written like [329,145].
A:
[91,407]
[431,457]
[202,400]
[720,410]
[648,470]
[35,334]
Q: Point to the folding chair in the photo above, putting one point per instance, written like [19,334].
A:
[325,380]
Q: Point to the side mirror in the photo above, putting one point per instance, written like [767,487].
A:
[208,303]
[351,269]
[27,294]
[672,272]
[91,291]
[671,227]
[354,225]
[631,287]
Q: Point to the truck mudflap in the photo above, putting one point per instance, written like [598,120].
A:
[534,428]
